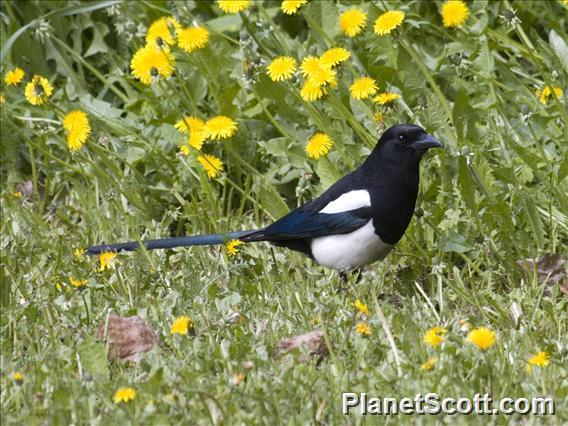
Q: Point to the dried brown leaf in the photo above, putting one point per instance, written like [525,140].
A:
[564,286]
[549,268]
[312,344]
[127,337]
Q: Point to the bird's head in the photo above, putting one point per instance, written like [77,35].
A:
[405,143]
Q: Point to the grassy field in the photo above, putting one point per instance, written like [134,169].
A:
[491,88]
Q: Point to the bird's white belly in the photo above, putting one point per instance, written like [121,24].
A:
[348,251]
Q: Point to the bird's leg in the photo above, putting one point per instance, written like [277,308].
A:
[359,273]
[345,275]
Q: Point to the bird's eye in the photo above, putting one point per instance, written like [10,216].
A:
[401,138]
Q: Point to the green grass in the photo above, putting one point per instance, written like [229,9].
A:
[496,193]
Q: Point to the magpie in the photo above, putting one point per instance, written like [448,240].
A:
[357,221]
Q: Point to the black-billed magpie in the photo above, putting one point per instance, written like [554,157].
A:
[357,221]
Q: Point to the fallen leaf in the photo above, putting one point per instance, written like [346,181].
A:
[312,343]
[549,268]
[564,286]
[127,337]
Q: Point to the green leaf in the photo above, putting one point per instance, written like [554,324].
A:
[560,48]
[153,384]
[272,203]
[532,216]
[454,242]
[329,18]
[226,23]
[98,44]
[484,61]
[228,302]
[67,11]
[460,113]
[563,171]
[93,357]
[327,174]
[466,185]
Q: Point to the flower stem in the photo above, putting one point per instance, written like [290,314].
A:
[93,70]
[414,55]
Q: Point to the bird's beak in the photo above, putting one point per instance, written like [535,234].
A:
[427,142]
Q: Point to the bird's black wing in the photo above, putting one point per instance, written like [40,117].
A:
[301,224]
[296,230]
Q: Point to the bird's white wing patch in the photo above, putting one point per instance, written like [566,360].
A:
[351,200]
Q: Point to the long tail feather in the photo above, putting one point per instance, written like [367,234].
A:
[165,243]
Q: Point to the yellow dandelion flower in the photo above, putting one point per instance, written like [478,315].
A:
[78,283]
[386,98]
[434,336]
[319,145]
[323,76]
[193,38]
[190,123]
[18,377]
[352,22]
[78,129]
[181,325]
[363,87]
[195,127]
[363,329]
[184,150]
[219,127]
[2,98]
[18,195]
[148,64]
[213,166]
[162,32]
[311,91]
[232,247]
[540,359]
[334,56]
[124,395]
[310,64]
[196,140]
[482,337]
[454,13]
[361,307]
[546,92]
[388,21]
[290,7]
[38,90]
[79,252]
[105,260]
[429,364]
[233,6]
[14,77]
[281,68]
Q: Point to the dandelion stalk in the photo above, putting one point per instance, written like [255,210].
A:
[275,34]
[271,118]
[93,70]
[183,87]
[86,307]
[414,55]
[359,129]
[389,335]
[34,170]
